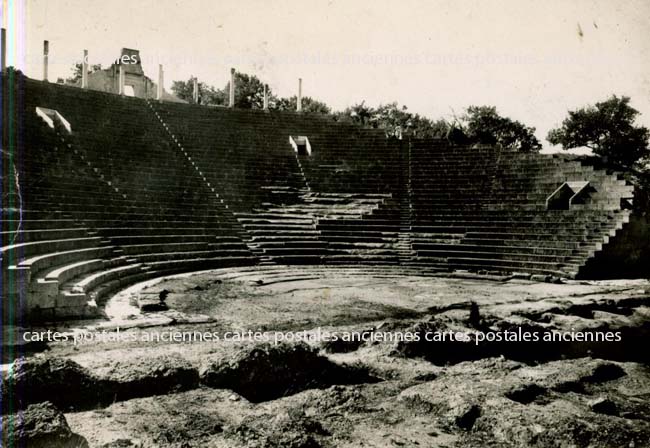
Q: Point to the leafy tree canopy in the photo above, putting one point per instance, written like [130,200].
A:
[309,105]
[11,70]
[479,125]
[77,68]
[249,91]
[482,124]
[394,119]
[358,113]
[608,129]
[208,95]
[249,94]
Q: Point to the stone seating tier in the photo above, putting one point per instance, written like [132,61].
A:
[99,198]
[254,146]
[141,189]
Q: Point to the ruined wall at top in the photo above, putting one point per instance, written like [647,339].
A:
[107,80]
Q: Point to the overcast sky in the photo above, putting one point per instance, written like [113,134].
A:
[533,60]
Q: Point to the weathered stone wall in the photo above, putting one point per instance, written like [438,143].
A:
[108,80]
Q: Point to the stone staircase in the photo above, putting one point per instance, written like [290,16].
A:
[368,237]
[404,246]
[282,236]
[293,234]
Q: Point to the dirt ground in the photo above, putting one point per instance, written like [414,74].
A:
[336,357]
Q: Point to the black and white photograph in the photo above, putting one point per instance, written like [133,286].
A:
[325,224]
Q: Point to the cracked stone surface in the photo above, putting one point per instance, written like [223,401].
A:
[488,394]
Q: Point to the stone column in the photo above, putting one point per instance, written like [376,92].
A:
[46,52]
[195,90]
[121,80]
[159,91]
[231,101]
[84,71]
[266,97]
[299,100]
[3,49]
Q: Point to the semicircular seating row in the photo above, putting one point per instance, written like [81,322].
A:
[102,208]
[142,189]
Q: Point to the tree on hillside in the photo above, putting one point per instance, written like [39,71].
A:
[13,71]
[249,91]
[456,134]
[482,124]
[394,119]
[183,89]
[76,72]
[608,129]
[208,95]
[424,127]
[358,113]
[309,105]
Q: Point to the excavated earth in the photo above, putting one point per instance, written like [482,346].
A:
[336,357]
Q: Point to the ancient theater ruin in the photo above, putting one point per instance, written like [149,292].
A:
[102,191]
[182,275]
